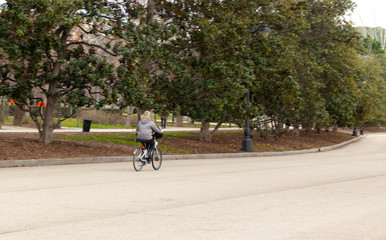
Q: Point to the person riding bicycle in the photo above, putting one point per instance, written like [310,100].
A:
[144,132]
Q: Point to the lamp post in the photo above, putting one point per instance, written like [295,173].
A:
[355,133]
[264,30]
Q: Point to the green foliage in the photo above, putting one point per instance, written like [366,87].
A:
[194,58]
[44,61]
[372,102]
[323,61]
[204,62]
[373,46]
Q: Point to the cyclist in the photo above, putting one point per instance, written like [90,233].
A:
[144,132]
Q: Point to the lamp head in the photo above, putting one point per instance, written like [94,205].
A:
[262,28]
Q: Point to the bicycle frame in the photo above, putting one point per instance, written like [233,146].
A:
[140,160]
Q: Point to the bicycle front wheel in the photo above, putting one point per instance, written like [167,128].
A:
[137,163]
[157,159]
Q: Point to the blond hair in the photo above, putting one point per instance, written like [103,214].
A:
[146,115]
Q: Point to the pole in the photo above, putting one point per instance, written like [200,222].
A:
[247,140]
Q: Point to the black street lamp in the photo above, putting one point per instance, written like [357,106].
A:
[246,144]
[354,132]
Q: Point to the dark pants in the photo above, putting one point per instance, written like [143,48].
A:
[148,144]
[163,123]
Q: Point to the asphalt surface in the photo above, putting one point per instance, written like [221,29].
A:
[337,194]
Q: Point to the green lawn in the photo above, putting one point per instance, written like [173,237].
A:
[73,123]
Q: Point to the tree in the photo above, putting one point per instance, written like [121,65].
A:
[2,99]
[326,62]
[48,55]
[376,33]
[140,36]
[371,109]
[203,64]
[373,46]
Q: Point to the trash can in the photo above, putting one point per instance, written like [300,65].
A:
[354,132]
[86,125]
[362,132]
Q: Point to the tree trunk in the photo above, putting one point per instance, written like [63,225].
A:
[151,4]
[48,128]
[251,131]
[77,117]
[1,111]
[295,131]
[128,118]
[19,115]
[139,116]
[205,134]
[335,128]
[6,109]
[277,130]
[180,121]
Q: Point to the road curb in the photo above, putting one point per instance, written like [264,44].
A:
[66,161]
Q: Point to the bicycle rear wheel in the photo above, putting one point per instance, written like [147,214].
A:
[137,163]
[157,159]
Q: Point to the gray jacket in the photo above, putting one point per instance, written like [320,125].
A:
[145,129]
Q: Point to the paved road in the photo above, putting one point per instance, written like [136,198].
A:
[323,196]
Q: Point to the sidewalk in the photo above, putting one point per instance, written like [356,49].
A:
[16,129]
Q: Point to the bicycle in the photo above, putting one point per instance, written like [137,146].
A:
[154,156]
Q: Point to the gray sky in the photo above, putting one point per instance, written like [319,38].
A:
[370,13]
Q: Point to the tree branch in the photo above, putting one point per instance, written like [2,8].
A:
[92,45]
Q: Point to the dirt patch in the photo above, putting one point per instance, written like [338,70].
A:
[16,146]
